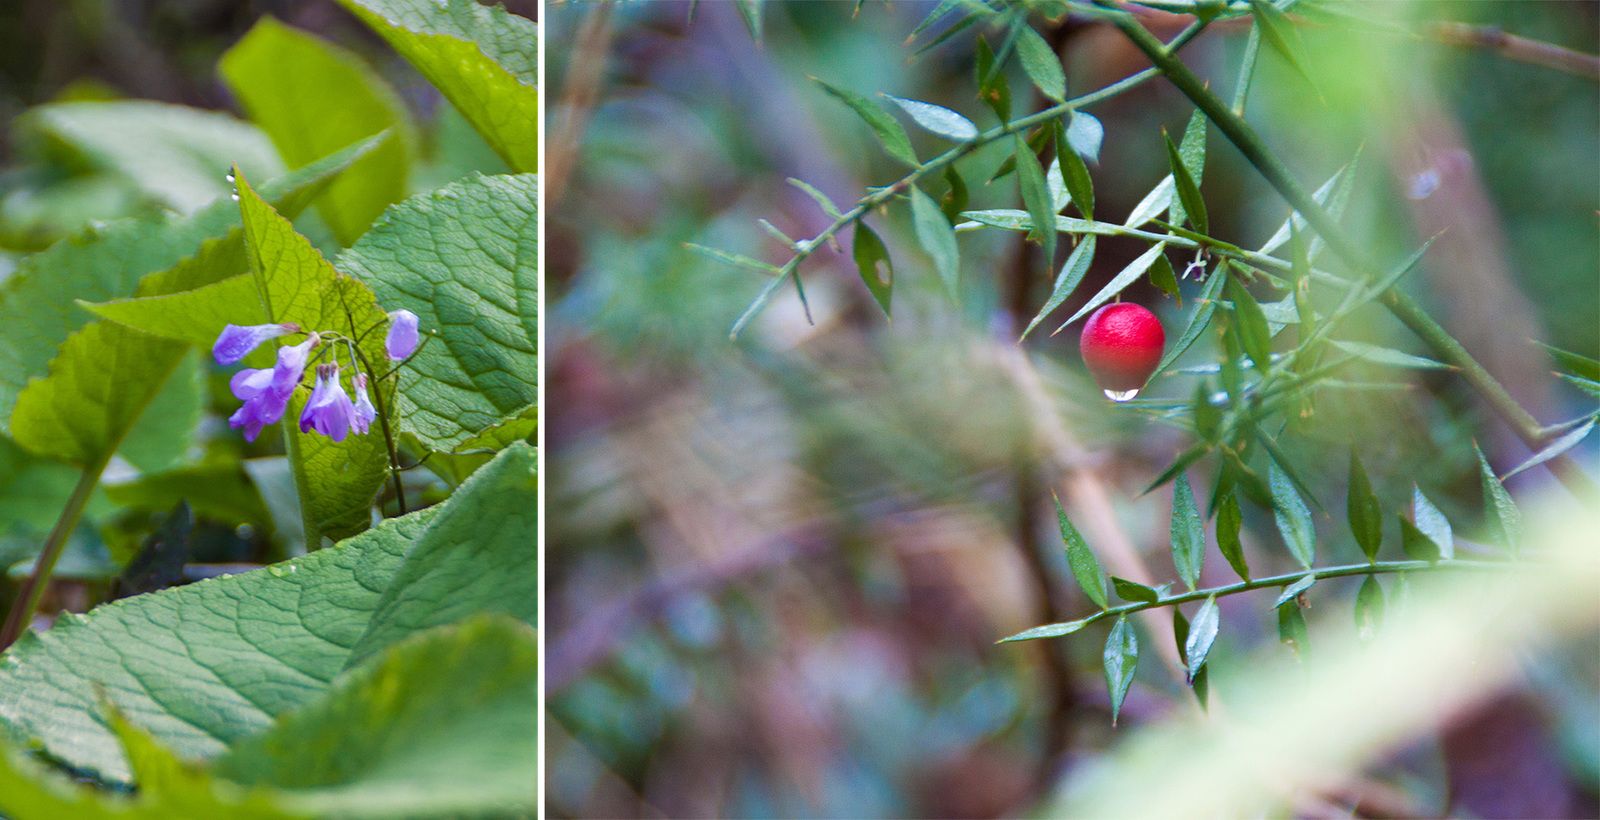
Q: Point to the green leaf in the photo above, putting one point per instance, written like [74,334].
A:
[1188,191]
[1085,569]
[819,197]
[1366,517]
[221,491]
[482,58]
[1202,634]
[750,12]
[1067,281]
[480,554]
[938,119]
[937,239]
[1159,199]
[992,88]
[1294,520]
[1084,134]
[203,665]
[1074,175]
[1121,659]
[1501,515]
[1048,631]
[1281,35]
[475,452]
[1036,196]
[1389,357]
[1178,465]
[176,154]
[1188,533]
[1295,589]
[1207,417]
[1581,366]
[1417,545]
[443,724]
[1369,608]
[1587,386]
[312,98]
[735,259]
[872,260]
[1192,151]
[1432,523]
[889,132]
[1039,60]
[1554,448]
[165,430]
[1229,521]
[336,481]
[475,284]
[954,200]
[1206,305]
[1126,277]
[1341,181]
[1133,591]
[1252,325]
[1292,631]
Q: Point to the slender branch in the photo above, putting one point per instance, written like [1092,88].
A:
[32,590]
[1521,49]
[806,247]
[1277,174]
[1374,568]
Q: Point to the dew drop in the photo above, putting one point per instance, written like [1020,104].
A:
[229,178]
[1122,395]
[277,571]
[235,197]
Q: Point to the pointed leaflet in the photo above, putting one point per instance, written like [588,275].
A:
[750,12]
[1159,199]
[1207,304]
[937,239]
[1207,417]
[1366,517]
[938,119]
[1417,545]
[1188,533]
[336,481]
[1036,195]
[474,282]
[992,88]
[1067,281]
[1432,523]
[1292,630]
[874,265]
[313,97]
[1252,324]
[1202,634]
[1129,274]
[1294,520]
[483,59]
[1163,277]
[1120,658]
[1133,591]
[1228,524]
[889,132]
[1188,191]
[1293,590]
[1048,631]
[1084,566]
[1369,608]
[1578,365]
[1085,134]
[1340,181]
[1074,174]
[1500,513]
[1039,60]
[954,200]
[1555,448]
[1388,357]
[1192,153]
[819,197]
[1281,35]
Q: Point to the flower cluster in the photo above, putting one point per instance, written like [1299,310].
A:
[330,410]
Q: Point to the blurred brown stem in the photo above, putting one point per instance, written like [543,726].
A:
[578,97]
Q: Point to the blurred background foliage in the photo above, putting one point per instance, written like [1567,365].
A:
[777,566]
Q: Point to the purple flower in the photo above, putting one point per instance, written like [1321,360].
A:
[364,413]
[266,391]
[236,342]
[329,410]
[402,339]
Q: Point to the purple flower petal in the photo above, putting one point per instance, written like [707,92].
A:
[291,366]
[364,414]
[402,339]
[329,410]
[236,342]
[248,383]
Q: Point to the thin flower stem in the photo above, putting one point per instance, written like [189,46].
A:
[805,247]
[383,421]
[27,601]
[1408,312]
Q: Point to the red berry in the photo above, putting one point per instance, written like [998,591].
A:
[1121,346]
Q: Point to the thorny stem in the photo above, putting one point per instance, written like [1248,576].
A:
[1374,568]
[806,247]
[27,601]
[1407,311]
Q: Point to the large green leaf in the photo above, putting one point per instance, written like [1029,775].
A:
[442,724]
[33,489]
[483,59]
[203,665]
[473,281]
[162,435]
[312,97]
[479,555]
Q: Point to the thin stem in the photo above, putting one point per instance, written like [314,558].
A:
[383,421]
[806,247]
[1277,174]
[27,602]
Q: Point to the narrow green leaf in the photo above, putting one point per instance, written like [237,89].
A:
[1159,199]
[1121,658]
[1301,271]
[1206,304]
[1178,465]
[1252,325]
[1294,520]
[1085,569]
[937,239]
[1417,545]
[1133,591]
[1076,177]
[1280,458]
[1229,522]
[954,200]
[1207,416]
[1281,35]
[1390,357]
[1587,386]
[819,197]
[1501,515]
[992,88]
[1295,589]
[1341,180]
[1554,448]
[1039,60]
[1084,134]
[1192,152]
[1369,608]
[1036,196]
[1366,517]
[1188,191]
[1188,533]
[735,259]
[1432,523]
[1202,634]
[1292,631]
[889,132]
[1578,365]
[872,260]
[1126,277]
[1180,633]
[750,12]
[1163,277]
[1048,631]
[938,119]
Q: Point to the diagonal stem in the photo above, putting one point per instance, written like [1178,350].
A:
[27,601]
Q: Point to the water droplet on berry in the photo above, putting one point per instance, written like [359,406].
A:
[1122,395]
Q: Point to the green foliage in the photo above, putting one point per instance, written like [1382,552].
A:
[874,265]
[1085,568]
[889,131]
[1188,533]
[1121,658]
[1366,516]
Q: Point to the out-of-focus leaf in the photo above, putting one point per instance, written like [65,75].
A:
[1432,523]
[1188,191]
[1121,658]
[992,88]
[1366,517]
[1159,199]
[1178,465]
[819,197]
[1085,569]
[1292,630]
[954,200]
[1554,448]
[1293,590]
[1501,515]
[1036,195]
[1369,608]
[1281,35]
[735,259]
[1587,386]
[1417,545]
[937,239]
[1340,180]
[1039,60]
[1390,357]
[1205,305]
[1229,521]
[750,12]
[1192,153]
[1294,520]
[1188,533]
[1252,325]
[1207,418]
[1581,366]
[1163,277]
[1126,277]
[938,119]
[872,260]
[1084,134]
[1202,634]
[1133,591]
[888,129]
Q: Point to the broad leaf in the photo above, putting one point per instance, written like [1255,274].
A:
[1202,634]
[938,119]
[1085,569]
[1121,658]
[1036,196]
[1369,607]
[1229,521]
[1188,533]
[1432,523]
[874,265]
